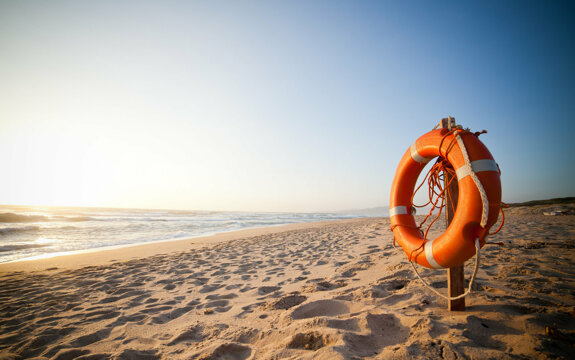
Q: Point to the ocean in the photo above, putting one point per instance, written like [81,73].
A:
[30,232]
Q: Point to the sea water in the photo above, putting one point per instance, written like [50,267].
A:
[34,232]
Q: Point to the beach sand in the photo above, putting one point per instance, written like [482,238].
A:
[331,290]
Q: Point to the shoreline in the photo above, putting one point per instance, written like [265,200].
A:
[110,254]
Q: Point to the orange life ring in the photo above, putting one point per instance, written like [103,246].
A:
[457,243]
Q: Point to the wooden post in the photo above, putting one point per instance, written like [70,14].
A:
[455,278]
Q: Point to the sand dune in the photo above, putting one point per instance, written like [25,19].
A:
[336,290]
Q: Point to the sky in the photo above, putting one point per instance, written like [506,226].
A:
[275,105]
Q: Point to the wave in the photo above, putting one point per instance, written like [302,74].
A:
[17,247]
[16,218]
[73,219]
[9,230]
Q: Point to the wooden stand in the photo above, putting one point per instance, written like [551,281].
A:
[455,278]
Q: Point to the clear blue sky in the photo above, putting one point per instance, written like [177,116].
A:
[275,105]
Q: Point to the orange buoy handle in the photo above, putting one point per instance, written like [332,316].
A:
[457,243]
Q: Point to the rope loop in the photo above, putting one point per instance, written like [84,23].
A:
[450,298]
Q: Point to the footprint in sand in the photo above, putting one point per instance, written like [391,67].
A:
[310,341]
[198,333]
[323,285]
[121,320]
[137,354]
[156,309]
[352,324]
[378,331]
[233,286]
[69,354]
[29,348]
[138,300]
[216,305]
[99,315]
[91,338]
[170,287]
[245,335]
[320,308]
[248,309]
[388,290]
[210,288]
[287,302]
[397,284]
[484,332]
[264,290]
[219,297]
[171,315]
[232,351]
[193,334]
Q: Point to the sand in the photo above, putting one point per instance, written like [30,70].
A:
[331,290]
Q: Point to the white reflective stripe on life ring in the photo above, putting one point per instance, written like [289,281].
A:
[416,157]
[477,166]
[429,255]
[398,210]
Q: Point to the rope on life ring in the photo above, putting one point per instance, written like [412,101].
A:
[463,155]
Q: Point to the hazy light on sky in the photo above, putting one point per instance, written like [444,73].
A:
[277,106]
